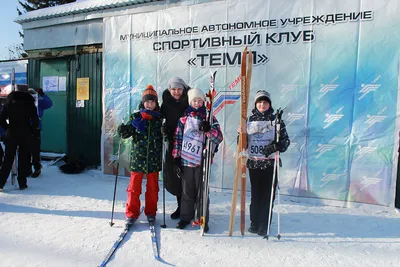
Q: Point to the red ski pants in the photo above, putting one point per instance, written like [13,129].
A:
[135,189]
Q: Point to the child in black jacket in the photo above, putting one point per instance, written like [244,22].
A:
[261,150]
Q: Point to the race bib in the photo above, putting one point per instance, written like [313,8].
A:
[192,144]
[260,134]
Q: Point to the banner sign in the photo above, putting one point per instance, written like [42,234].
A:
[334,65]
[7,68]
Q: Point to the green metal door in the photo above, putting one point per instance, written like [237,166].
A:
[84,123]
[54,120]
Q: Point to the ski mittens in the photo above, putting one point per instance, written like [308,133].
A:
[205,126]
[39,91]
[124,131]
[164,131]
[272,147]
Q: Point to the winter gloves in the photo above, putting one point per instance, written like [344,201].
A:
[39,91]
[164,131]
[272,147]
[205,126]
[124,131]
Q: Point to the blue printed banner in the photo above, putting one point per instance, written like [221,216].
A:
[7,68]
[334,66]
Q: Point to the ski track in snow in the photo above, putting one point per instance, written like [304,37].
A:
[63,220]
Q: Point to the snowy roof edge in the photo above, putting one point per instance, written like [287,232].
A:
[77,8]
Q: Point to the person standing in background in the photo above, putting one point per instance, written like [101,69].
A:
[43,103]
[19,118]
[2,132]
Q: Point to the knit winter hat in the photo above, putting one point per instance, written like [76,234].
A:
[177,82]
[149,94]
[195,93]
[262,95]
[22,88]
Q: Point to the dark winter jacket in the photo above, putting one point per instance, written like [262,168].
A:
[21,113]
[146,146]
[284,141]
[172,110]
[2,131]
[44,102]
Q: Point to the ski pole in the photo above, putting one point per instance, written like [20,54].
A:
[279,199]
[276,169]
[164,225]
[164,155]
[279,176]
[271,199]
[115,185]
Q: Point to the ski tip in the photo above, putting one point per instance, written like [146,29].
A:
[266,237]
[163,226]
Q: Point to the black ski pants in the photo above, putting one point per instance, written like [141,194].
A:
[1,154]
[261,185]
[34,155]
[192,179]
[172,182]
[11,145]
[397,195]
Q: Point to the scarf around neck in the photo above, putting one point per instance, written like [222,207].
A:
[146,115]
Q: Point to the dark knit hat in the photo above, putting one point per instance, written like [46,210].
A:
[21,88]
[149,94]
[262,95]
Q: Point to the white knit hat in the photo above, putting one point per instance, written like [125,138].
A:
[195,93]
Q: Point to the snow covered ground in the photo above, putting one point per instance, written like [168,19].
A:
[62,220]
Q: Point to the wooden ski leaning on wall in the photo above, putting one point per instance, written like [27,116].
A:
[240,172]
[243,157]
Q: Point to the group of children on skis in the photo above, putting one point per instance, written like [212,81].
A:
[185,130]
